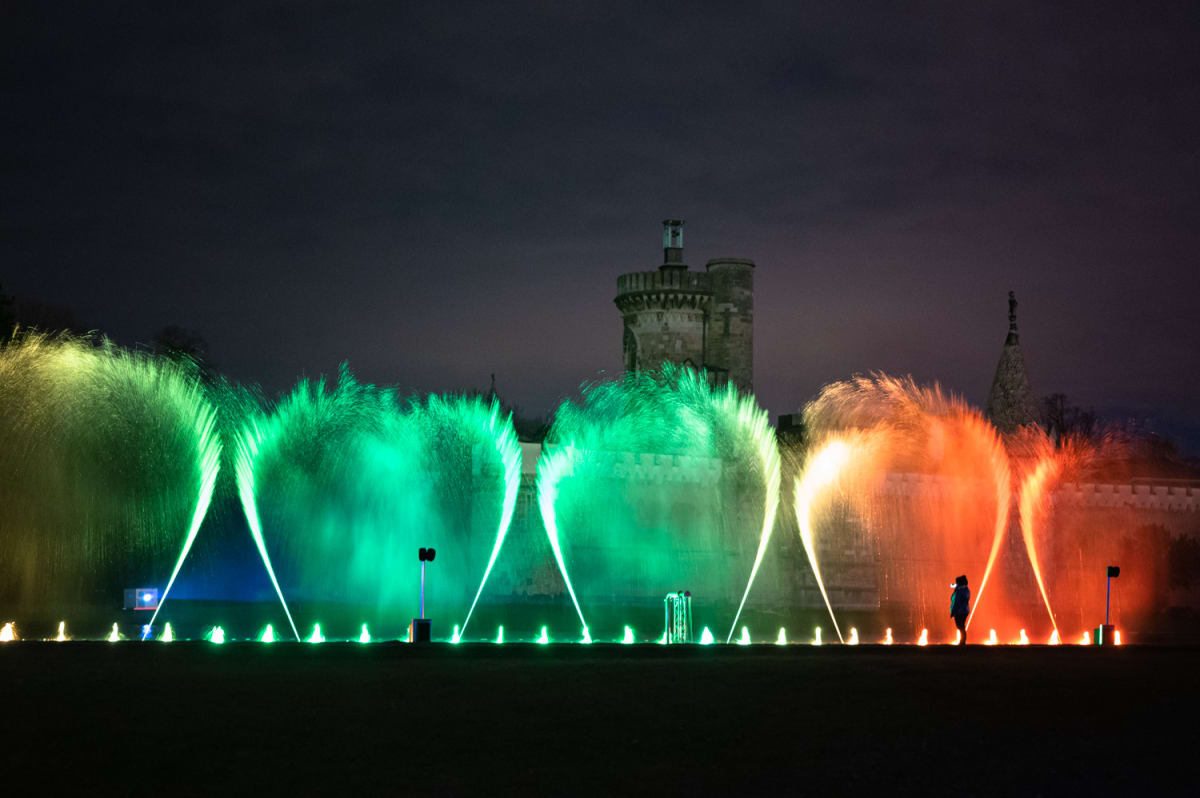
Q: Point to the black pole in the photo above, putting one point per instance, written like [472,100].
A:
[1107,596]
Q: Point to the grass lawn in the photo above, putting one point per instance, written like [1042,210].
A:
[245,718]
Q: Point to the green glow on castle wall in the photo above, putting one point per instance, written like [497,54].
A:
[340,483]
[599,490]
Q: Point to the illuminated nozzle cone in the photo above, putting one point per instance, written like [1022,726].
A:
[147,630]
[957,636]
[744,640]
[168,635]
[62,632]
[114,635]
[1023,640]
[887,637]
[499,634]
[543,638]
[1116,637]
[217,635]
[268,635]
[1053,638]
[316,636]
[662,641]
[781,640]
[8,633]
[364,636]
[853,639]
[1086,640]
[628,638]
[455,637]
[991,641]
[706,637]
[923,640]
[817,637]
[587,636]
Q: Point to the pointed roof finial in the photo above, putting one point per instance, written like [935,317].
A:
[1011,402]
[1012,318]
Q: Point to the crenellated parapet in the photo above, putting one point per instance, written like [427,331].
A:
[1147,496]
[668,289]
[665,315]
[659,469]
[909,483]
[701,320]
[1165,498]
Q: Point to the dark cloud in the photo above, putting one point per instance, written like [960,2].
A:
[440,191]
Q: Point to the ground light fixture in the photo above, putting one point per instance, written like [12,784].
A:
[421,630]
[1105,635]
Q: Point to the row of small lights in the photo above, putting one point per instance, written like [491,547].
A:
[217,635]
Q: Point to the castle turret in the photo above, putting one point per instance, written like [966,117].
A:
[664,311]
[1011,403]
[697,319]
[730,337]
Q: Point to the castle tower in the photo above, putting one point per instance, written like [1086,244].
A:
[696,319]
[1011,403]
[730,340]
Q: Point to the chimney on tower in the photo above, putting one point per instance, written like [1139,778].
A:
[673,244]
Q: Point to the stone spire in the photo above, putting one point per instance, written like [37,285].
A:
[1011,403]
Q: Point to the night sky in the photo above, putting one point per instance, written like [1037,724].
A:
[438,192]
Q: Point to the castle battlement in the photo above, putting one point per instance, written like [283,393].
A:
[1167,498]
[909,483]
[657,469]
[703,320]
[664,280]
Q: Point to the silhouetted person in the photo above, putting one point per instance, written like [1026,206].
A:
[960,607]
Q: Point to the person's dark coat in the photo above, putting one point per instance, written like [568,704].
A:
[960,601]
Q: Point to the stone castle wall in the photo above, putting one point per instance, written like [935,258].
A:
[665,313]
[849,561]
[697,319]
